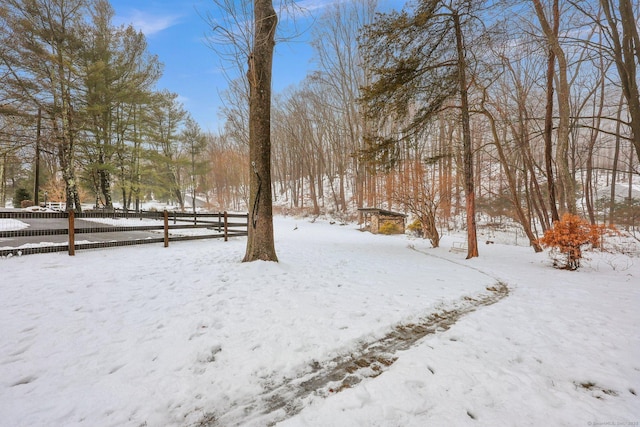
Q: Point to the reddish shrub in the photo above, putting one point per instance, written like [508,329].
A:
[569,237]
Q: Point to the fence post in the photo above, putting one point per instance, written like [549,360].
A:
[166,229]
[226,226]
[72,236]
[219,221]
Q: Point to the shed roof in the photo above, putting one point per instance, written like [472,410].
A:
[381,212]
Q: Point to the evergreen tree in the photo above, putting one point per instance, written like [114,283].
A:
[118,74]
[43,73]
[166,117]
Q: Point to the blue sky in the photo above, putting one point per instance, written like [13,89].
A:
[176,32]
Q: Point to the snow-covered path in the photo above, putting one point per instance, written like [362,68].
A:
[171,337]
[368,360]
[563,350]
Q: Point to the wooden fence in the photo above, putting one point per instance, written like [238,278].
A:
[102,229]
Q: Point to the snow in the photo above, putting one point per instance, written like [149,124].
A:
[153,336]
[622,192]
[12,224]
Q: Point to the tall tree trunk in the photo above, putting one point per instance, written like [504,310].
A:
[66,156]
[567,196]
[548,136]
[67,134]
[472,238]
[312,190]
[626,53]
[3,180]
[562,154]
[592,143]
[36,178]
[445,178]
[614,168]
[260,242]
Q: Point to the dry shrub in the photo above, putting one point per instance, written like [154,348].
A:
[569,237]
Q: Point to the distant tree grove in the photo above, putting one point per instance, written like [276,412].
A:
[449,110]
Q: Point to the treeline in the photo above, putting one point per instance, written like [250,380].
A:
[552,108]
[552,113]
[551,93]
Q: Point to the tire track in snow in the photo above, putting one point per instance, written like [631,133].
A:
[289,396]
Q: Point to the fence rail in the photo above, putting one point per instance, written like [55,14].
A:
[102,229]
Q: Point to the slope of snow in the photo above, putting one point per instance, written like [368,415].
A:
[168,337]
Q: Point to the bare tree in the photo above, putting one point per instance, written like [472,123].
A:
[623,32]
[421,195]
[621,44]
[340,75]
[567,196]
[226,179]
[260,242]
[510,175]
[548,117]
[236,39]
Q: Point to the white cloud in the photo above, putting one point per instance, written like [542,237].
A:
[149,23]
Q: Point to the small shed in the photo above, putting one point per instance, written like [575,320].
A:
[375,220]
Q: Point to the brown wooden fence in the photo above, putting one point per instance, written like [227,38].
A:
[91,230]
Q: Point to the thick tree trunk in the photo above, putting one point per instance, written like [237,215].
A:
[260,242]
[472,238]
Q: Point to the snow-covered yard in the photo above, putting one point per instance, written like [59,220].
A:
[189,336]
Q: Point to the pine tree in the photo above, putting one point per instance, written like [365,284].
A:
[418,61]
